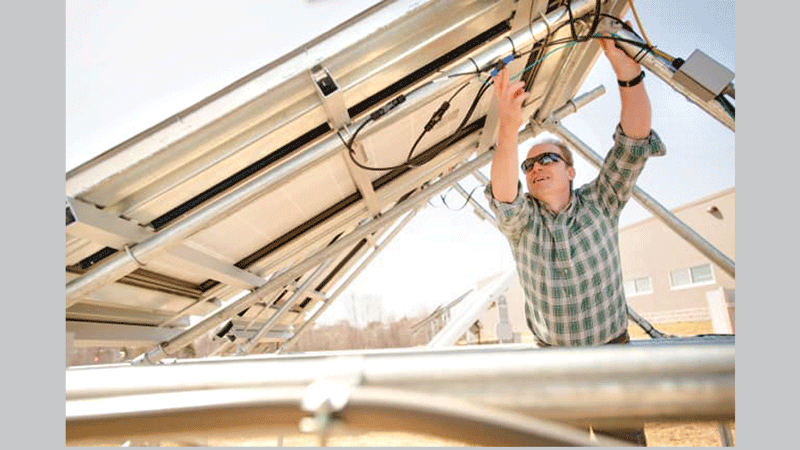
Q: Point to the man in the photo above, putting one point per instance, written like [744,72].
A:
[565,241]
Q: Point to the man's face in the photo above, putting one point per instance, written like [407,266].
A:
[546,180]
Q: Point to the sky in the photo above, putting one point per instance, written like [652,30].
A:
[117,84]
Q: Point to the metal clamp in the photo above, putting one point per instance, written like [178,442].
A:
[328,395]
[323,400]
[130,253]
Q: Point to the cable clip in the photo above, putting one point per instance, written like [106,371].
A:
[358,150]
[130,253]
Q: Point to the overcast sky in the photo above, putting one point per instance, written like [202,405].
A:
[131,64]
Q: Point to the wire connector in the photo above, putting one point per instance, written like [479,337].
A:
[437,116]
[375,115]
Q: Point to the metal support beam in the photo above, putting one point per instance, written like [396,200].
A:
[274,334]
[481,177]
[190,310]
[333,103]
[616,386]
[112,231]
[359,176]
[109,313]
[725,435]
[573,105]
[267,308]
[329,301]
[89,334]
[288,304]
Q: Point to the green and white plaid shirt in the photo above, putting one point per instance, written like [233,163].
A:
[569,264]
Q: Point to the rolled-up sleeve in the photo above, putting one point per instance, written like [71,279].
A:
[622,167]
[511,217]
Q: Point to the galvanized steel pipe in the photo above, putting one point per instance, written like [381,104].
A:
[328,301]
[616,386]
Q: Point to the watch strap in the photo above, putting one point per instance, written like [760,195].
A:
[632,82]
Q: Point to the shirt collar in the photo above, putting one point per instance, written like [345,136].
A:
[566,211]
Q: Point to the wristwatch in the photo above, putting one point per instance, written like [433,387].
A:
[632,82]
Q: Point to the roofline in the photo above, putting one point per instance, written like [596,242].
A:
[683,207]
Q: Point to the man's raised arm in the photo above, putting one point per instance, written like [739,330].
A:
[504,173]
[635,114]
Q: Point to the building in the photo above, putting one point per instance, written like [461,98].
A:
[667,279]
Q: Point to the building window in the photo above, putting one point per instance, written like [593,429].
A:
[691,276]
[638,286]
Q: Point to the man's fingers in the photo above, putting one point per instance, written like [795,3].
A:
[604,43]
[501,80]
[516,89]
[521,98]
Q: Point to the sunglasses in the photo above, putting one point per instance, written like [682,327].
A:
[544,159]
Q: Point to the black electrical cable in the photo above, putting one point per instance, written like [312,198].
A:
[434,120]
[439,113]
[591,34]
[595,22]
[727,105]
[413,147]
[481,91]
[444,199]
[571,21]
[538,47]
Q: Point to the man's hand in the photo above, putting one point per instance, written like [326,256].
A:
[510,97]
[624,66]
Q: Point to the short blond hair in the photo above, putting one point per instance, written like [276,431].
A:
[565,151]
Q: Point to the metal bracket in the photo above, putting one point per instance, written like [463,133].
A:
[331,97]
[359,176]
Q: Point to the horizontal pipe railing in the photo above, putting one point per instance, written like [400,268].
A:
[613,386]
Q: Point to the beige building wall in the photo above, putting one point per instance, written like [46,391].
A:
[650,249]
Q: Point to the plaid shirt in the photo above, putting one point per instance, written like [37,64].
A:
[569,264]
